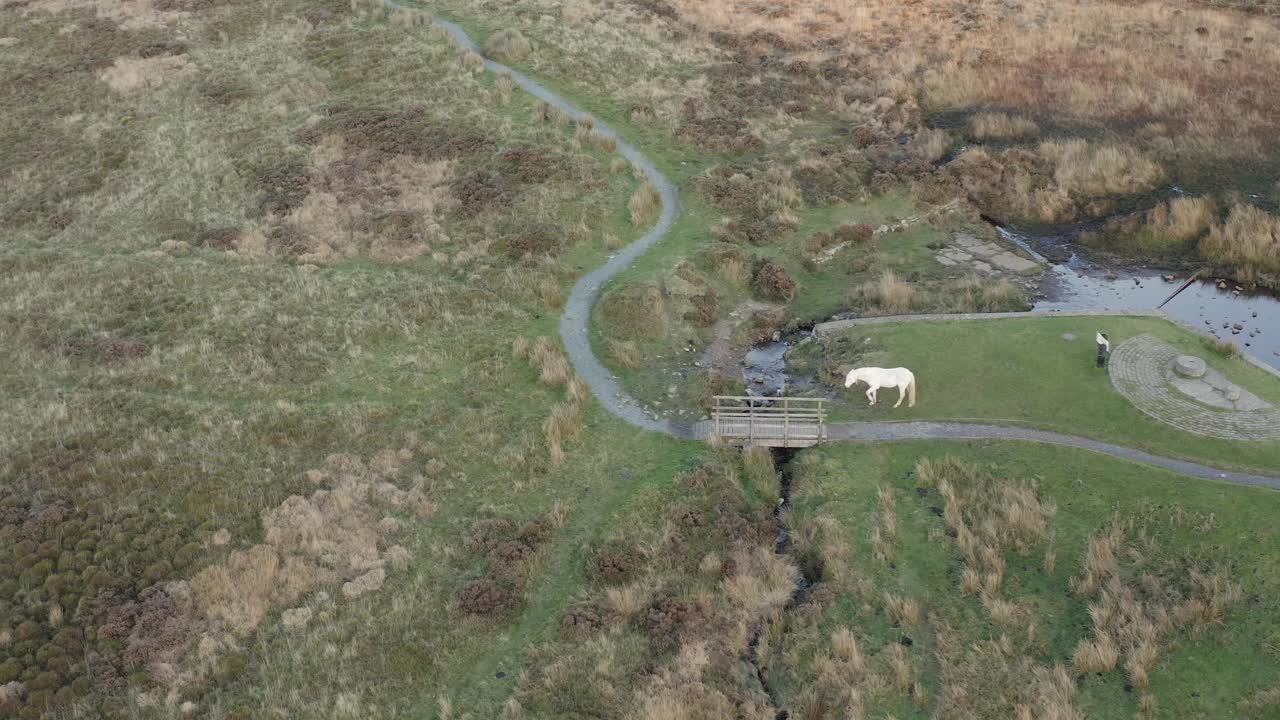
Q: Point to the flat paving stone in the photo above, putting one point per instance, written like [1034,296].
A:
[1013,263]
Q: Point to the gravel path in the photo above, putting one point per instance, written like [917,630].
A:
[878,432]
[575,323]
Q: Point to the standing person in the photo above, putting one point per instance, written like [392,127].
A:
[1104,349]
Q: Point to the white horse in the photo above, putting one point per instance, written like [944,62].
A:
[877,378]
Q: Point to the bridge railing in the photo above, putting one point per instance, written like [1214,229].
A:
[769,421]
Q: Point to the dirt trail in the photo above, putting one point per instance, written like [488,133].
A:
[575,324]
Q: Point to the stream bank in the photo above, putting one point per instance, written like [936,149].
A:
[1075,282]
[782,459]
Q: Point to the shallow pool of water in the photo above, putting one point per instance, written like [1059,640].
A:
[1252,321]
[765,368]
[1074,283]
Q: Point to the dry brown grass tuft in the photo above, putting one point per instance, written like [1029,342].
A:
[626,601]
[577,390]
[131,76]
[974,294]
[625,353]
[563,424]
[763,581]
[520,348]
[1182,218]
[1052,696]
[1140,598]
[1249,241]
[901,666]
[1001,611]
[1097,171]
[644,204]
[902,610]
[1001,126]
[1097,655]
[553,367]
[1226,348]
[549,291]
[844,645]
[601,141]
[889,295]
[1267,699]
[931,145]
[508,45]
[759,473]
[986,513]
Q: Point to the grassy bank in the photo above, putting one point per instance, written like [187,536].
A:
[264,274]
[1023,371]
[936,599]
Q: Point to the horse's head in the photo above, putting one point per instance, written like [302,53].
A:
[852,378]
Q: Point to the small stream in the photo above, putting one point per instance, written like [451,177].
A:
[782,458]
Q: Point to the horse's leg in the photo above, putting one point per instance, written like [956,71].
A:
[871,395]
[902,392]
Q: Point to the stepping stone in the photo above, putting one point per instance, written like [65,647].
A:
[1189,366]
[1013,263]
[946,260]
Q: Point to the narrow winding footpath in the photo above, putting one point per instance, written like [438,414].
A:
[576,319]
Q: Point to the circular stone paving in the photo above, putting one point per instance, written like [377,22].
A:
[1147,371]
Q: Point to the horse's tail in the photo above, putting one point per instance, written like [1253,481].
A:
[911,392]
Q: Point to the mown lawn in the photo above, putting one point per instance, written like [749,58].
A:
[1022,371]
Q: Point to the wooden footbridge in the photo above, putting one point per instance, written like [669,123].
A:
[768,422]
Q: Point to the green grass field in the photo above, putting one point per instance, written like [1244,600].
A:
[287,432]
[1022,371]
[970,663]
